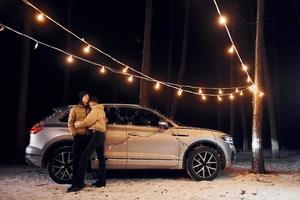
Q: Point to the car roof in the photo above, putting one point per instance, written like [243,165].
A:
[104,104]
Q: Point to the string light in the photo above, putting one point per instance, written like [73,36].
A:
[70,59]
[200,91]
[231,97]
[248,79]
[231,49]
[220,98]
[87,49]
[179,92]
[261,94]
[102,70]
[241,93]
[203,97]
[125,70]
[36,45]
[222,20]
[237,90]
[1,28]
[220,91]
[40,17]
[244,67]
[157,85]
[130,78]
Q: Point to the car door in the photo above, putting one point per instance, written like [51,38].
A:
[115,139]
[149,146]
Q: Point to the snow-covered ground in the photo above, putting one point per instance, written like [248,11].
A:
[282,182]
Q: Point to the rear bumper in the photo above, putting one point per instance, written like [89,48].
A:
[33,156]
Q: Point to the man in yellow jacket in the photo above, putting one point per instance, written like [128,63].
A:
[96,124]
[80,139]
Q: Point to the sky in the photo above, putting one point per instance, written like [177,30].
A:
[117,27]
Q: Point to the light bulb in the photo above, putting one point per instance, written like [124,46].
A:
[40,17]
[248,79]
[231,49]
[102,70]
[261,94]
[244,67]
[231,97]
[220,98]
[241,93]
[157,85]
[179,92]
[237,90]
[125,70]
[130,78]
[220,91]
[222,20]
[203,97]
[87,49]
[70,59]
[200,91]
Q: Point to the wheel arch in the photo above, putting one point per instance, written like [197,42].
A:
[53,147]
[206,143]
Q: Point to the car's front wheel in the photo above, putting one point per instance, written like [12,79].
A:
[203,163]
[60,166]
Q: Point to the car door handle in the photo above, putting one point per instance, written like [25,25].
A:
[133,134]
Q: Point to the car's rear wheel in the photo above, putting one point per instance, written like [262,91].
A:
[203,163]
[60,166]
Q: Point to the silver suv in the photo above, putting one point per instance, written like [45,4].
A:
[136,138]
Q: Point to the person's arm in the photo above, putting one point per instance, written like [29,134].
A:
[71,121]
[91,119]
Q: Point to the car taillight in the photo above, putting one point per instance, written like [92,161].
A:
[36,128]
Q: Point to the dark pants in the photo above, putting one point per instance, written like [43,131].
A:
[96,143]
[80,142]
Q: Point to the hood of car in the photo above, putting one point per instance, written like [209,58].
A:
[185,130]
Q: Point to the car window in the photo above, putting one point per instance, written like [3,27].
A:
[139,117]
[64,118]
[113,115]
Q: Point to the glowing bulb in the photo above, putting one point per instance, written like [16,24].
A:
[102,70]
[261,94]
[222,20]
[231,97]
[203,97]
[253,88]
[125,70]
[220,98]
[220,91]
[70,59]
[40,17]
[244,67]
[179,92]
[200,91]
[248,79]
[157,86]
[237,90]
[87,49]
[231,49]
[241,93]
[130,78]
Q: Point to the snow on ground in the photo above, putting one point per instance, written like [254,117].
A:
[282,182]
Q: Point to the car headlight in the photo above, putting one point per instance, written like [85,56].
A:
[227,139]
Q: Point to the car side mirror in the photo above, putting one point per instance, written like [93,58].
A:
[163,124]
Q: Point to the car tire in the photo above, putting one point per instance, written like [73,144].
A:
[60,165]
[203,164]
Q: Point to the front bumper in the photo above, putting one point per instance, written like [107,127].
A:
[33,156]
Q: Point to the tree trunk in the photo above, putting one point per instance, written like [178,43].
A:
[146,66]
[23,94]
[257,150]
[271,110]
[170,63]
[183,57]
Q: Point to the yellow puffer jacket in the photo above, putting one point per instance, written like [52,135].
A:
[77,113]
[95,120]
